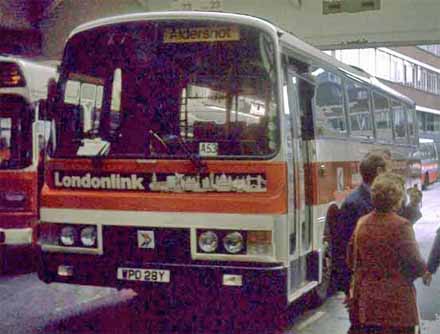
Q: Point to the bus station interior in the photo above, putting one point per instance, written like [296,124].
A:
[399,49]
[398,42]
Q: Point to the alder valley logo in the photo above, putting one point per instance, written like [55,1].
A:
[87,181]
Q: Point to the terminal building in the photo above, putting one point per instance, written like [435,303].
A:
[195,155]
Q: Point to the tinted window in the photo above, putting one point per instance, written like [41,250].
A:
[329,104]
[412,126]
[359,110]
[399,122]
[167,89]
[382,117]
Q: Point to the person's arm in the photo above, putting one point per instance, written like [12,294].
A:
[350,257]
[413,265]
[348,216]
[434,255]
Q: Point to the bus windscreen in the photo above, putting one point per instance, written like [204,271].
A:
[168,90]
[15,133]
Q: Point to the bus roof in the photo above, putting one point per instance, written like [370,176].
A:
[300,47]
[184,15]
[36,76]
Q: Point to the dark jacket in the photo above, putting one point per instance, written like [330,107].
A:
[356,205]
[434,255]
[412,213]
[388,260]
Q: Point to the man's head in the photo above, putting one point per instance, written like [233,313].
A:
[371,166]
[415,196]
[386,154]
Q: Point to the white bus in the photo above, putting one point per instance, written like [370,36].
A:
[22,84]
[200,153]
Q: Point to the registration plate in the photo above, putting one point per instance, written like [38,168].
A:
[145,275]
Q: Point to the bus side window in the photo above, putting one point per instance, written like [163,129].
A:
[382,118]
[359,110]
[399,122]
[329,104]
[412,125]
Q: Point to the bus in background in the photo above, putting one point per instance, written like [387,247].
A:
[198,155]
[429,161]
[22,84]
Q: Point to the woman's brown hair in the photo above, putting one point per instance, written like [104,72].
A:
[387,192]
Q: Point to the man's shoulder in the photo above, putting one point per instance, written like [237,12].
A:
[357,194]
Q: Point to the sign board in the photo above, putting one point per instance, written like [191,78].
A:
[201,34]
[197,5]
[349,6]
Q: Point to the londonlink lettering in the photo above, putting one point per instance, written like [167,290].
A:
[112,181]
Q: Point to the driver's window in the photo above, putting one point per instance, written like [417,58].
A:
[85,93]
[116,91]
[5,138]
[115,106]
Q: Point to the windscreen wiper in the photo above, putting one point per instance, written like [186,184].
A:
[196,160]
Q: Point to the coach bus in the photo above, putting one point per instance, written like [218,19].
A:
[199,153]
[22,84]
[429,161]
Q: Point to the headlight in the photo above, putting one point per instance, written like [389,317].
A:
[208,241]
[67,236]
[233,242]
[88,236]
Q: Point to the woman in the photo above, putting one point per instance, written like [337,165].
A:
[385,259]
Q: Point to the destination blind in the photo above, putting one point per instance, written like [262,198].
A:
[201,34]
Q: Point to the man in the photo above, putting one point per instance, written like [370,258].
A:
[433,260]
[356,205]
[411,211]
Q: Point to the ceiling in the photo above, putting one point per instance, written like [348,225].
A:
[25,14]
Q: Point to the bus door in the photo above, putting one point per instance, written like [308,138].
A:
[300,229]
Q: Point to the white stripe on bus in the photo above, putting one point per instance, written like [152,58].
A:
[159,219]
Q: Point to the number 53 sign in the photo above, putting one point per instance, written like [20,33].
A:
[197,4]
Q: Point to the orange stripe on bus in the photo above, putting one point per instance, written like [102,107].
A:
[321,187]
[274,201]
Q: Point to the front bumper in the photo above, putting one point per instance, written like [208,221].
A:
[196,283]
[17,236]
[16,227]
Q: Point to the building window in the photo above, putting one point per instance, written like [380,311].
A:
[383,65]
[433,49]
[380,63]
